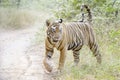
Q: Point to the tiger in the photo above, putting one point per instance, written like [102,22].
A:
[70,36]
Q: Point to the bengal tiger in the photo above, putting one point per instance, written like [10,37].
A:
[70,36]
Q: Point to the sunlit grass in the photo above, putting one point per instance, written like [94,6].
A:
[88,69]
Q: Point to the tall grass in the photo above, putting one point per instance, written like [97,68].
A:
[28,12]
[16,18]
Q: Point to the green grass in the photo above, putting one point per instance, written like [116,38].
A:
[88,69]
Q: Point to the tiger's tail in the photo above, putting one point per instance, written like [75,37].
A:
[89,12]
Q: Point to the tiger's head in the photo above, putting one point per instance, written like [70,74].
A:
[54,30]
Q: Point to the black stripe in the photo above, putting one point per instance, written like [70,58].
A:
[90,44]
[94,52]
[60,44]
[72,45]
[69,47]
[50,49]
[75,53]
[78,49]
[49,40]
[76,46]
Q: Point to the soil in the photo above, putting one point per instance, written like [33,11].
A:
[20,58]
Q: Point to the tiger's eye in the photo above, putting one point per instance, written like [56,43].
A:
[53,29]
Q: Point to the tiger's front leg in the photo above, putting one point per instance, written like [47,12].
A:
[49,53]
[48,60]
[62,59]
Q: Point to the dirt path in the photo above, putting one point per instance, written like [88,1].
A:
[19,58]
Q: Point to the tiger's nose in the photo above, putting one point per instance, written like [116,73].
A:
[56,38]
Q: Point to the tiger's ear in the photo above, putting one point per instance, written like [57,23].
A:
[60,21]
[47,23]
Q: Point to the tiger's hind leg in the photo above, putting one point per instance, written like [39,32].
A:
[76,57]
[94,48]
[76,53]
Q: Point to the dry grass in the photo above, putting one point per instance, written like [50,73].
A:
[17,18]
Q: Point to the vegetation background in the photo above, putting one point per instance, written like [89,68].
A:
[17,14]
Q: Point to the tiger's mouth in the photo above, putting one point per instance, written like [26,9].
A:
[55,40]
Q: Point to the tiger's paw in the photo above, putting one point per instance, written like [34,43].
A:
[48,65]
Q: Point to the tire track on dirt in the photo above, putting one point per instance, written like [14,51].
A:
[20,59]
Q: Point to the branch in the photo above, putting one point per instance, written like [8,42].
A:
[114,3]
